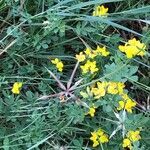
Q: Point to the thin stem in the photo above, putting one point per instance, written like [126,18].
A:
[50,96]
[7,47]
[57,80]
[72,75]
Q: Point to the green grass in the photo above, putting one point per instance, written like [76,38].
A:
[27,46]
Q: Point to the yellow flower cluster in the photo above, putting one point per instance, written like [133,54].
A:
[102,51]
[103,88]
[89,53]
[107,87]
[98,137]
[58,63]
[131,137]
[100,11]
[16,87]
[126,103]
[132,48]
[90,66]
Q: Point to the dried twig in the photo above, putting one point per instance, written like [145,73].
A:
[72,75]
[67,91]
[50,96]
[61,85]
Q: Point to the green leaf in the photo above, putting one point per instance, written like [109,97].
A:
[107,21]
[135,11]
[6,143]
[107,108]
[122,71]
[84,4]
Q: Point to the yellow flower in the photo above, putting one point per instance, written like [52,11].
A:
[125,96]
[100,11]
[58,63]
[85,68]
[112,88]
[127,105]
[102,51]
[120,87]
[55,61]
[107,87]
[16,87]
[99,91]
[99,137]
[60,66]
[134,135]
[93,67]
[132,48]
[126,143]
[103,138]
[91,111]
[87,51]
[89,66]
[94,136]
[115,87]
[90,53]
[80,57]
[100,132]
[95,143]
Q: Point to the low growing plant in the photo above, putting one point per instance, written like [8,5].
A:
[74,75]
